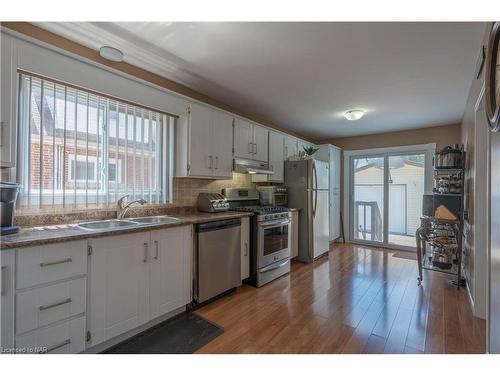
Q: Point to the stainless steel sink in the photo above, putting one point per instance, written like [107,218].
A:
[106,224]
[154,219]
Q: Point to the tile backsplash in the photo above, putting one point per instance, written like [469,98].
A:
[186,189]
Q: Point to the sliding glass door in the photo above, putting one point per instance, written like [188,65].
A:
[368,204]
[386,196]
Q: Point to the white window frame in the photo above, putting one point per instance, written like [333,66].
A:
[428,148]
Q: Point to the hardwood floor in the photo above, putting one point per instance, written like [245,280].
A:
[356,300]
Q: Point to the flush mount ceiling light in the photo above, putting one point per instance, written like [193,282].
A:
[111,53]
[354,114]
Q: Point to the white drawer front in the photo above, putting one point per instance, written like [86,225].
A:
[46,263]
[42,306]
[67,337]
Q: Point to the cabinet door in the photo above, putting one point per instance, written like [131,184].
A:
[119,291]
[201,158]
[245,248]
[8,99]
[7,264]
[276,156]
[170,276]
[335,161]
[243,139]
[222,135]
[290,147]
[261,142]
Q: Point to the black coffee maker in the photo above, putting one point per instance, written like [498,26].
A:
[8,196]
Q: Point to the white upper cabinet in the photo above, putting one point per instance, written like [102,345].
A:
[260,140]
[276,156]
[290,147]
[243,139]
[250,141]
[204,144]
[200,141]
[222,144]
[8,103]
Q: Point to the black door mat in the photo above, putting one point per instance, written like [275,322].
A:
[183,334]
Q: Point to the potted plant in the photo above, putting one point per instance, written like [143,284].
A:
[308,152]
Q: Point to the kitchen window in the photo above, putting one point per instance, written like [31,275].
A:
[81,148]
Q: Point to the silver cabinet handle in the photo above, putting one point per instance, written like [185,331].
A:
[145,260]
[255,146]
[46,264]
[246,248]
[54,347]
[250,147]
[3,270]
[157,253]
[63,302]
[216,162]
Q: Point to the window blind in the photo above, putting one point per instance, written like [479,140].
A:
[82,149]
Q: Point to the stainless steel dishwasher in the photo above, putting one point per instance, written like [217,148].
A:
[217,258]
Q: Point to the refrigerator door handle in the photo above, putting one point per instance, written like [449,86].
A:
[315,173]
[315,203]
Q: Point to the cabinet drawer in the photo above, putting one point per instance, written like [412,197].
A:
[43,264]
[67,337]
[42,306]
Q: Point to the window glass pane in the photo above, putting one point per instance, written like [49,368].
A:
[86,149]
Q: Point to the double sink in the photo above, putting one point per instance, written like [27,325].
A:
[122,223]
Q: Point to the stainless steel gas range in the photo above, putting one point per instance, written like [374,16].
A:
[269,235]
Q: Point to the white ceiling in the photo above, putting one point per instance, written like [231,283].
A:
[305,75]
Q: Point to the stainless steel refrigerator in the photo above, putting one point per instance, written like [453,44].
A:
[307,182]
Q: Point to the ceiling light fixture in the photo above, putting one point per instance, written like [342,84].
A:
[354,114]
[111,53]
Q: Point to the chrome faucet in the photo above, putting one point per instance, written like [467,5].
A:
[122,208]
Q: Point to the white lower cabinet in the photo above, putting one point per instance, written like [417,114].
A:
[135,278]
[46,305]
[245,248]
[66,337]
[119,293]
[170,276]
[7,296]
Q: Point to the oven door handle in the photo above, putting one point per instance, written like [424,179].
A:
[274,266]
[275,224]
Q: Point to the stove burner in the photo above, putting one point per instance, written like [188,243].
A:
[262,210]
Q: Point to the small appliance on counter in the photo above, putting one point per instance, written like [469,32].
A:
[8,196]
[212,202]
[273,195]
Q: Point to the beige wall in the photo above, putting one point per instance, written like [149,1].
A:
[442,135]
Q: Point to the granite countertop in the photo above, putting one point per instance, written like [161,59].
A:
[42,235]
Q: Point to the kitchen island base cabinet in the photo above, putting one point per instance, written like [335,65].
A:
[135,278]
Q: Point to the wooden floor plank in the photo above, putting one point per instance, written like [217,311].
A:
[359,299]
